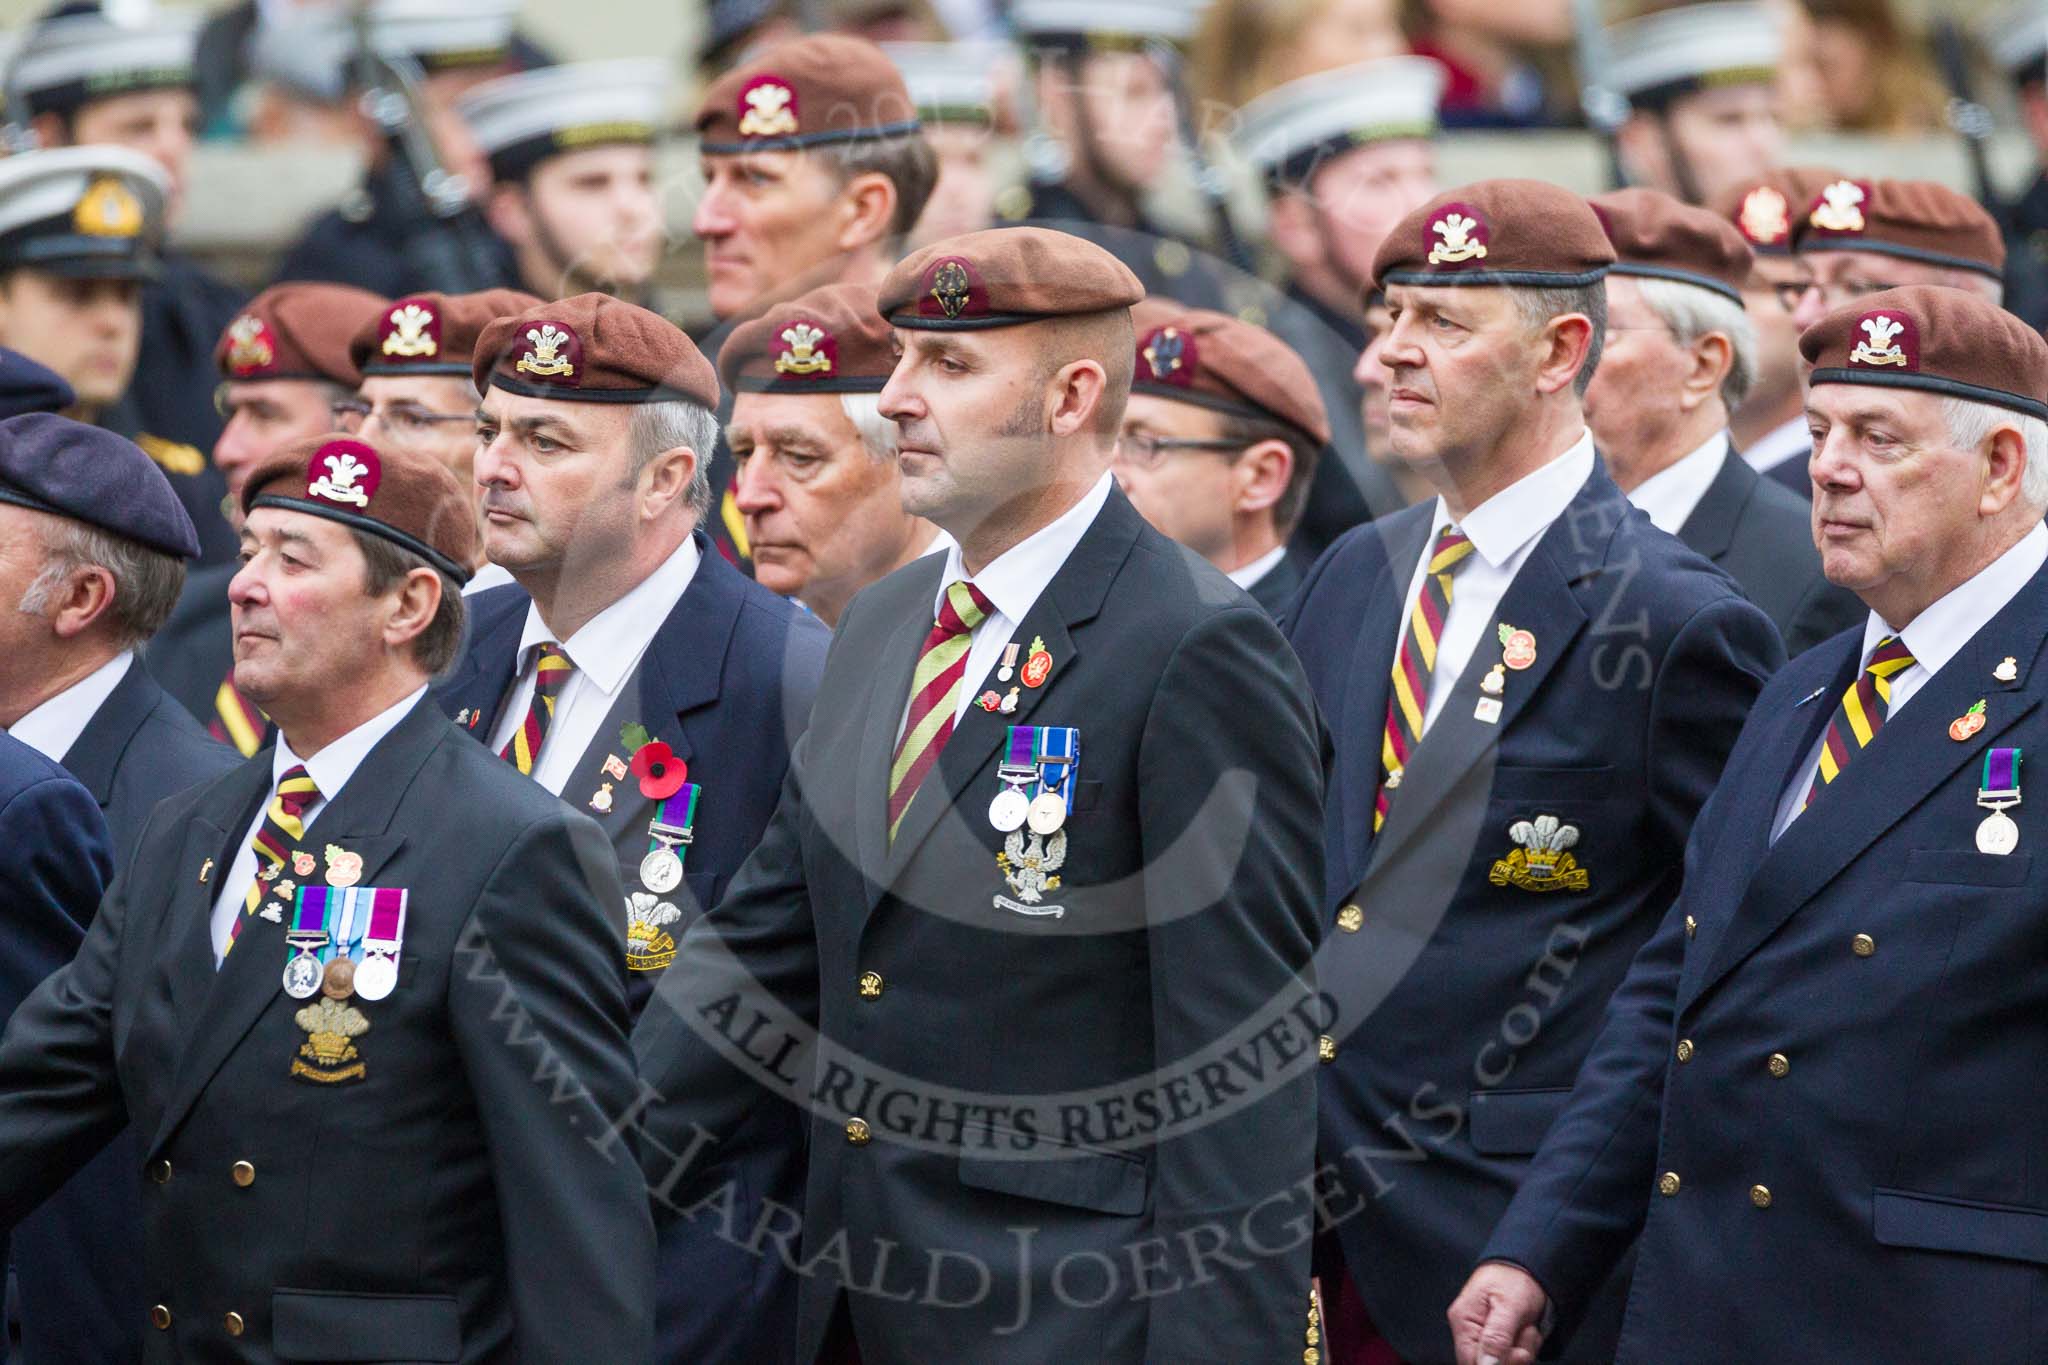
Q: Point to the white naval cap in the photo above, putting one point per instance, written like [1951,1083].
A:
[89,212]
[1286,132]
[87,53]
[521,120]
[1105,22]
[2017,38]
[310,51]
[1661,56]
[952,82]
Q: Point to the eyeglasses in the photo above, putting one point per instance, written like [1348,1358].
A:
[405,422]
[1790,292]
[1149,452]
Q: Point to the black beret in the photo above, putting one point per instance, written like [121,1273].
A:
[26,386]
[53,464]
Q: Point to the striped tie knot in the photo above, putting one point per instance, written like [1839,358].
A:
[964,608]
[1860,714]
[1415,666]
[282,826]
[551,670]
[296,790]
[1453,547]
[934,693]
[1890,657]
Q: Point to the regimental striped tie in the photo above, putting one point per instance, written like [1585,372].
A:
[282,827]
[552,670]
[1414,665]
[934,694]
[236,720]
[1861,715]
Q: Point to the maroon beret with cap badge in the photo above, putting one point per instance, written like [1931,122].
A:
[407,498]
[1915,220]
[1946,341]
[829,340]
[816,90]
[1216,361]
[432,333]
[1003,277]
[593,348]
[1527,233]
[1659,237]
[297,330]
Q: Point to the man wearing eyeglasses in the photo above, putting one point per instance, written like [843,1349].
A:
[1220,442]
[283,364]
[1862,237]
[417,391]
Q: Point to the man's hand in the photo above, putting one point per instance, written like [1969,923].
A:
[1494,1321]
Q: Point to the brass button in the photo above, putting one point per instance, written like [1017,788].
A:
[1326,1048]
[1667,1183]
[1863,945]
[1780,1065]
[857,1132]
[1685,1049]
[160,1318]
[1760,1196]
[233,1322]
[1351,919]
[160,1172]
[1692,926]
[870,985]
[244,1174]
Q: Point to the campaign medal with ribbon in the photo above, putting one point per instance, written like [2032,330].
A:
[346,941]
[1058,754]
[2000,789]
[306,938]
[383,937]
[1012,805]
[661,871]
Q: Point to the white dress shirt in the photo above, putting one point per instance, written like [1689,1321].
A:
[1251,573]
[605,652]
[1933,638]
[1012,582]
[52,728]
[1670,495]
[330,770]
[1503,530]
[1780,444]
[488,577]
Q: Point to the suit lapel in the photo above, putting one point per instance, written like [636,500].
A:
[214,829]
[97,751]
[490,666]
[1909,758]
[1710,530]
[1372,670]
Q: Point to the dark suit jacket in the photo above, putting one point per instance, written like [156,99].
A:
[1762,537]
[79,1264]
[1906,1203]
[463,1200]
[1277,588]
[1793,475]
[1468,999]
[193,652]
[55,860]
[1186,900]
[727,683]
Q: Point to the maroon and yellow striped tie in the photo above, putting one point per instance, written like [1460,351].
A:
[549,673]
[283,825]
[1861,715]
[935,693]
[236,720]
[1414,664]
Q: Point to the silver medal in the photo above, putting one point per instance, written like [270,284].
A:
[376,975]
[1009,810]
[1998,834]
[661,871]
[302,977]
[1048,813]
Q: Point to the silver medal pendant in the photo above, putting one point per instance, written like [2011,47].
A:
[1048,813]
[661,871]
[302,977]
[1009,810]
[376,975]
[1998,834]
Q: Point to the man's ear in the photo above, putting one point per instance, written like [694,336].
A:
[1076,391]
[1262,473]
[1570,339]
[418,599]
[1709,359]
[666,480]
[867,209]
[2005,466]
[510,216]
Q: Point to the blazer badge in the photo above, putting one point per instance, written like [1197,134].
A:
[1541,861]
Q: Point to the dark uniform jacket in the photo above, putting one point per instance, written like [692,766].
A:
[1274,589]
[55,861]
[1812,1098]
[727,683]
[1762,537]
[460,1200]
[1185,897]
[364,244]
[194,652]
[1474,982]
[1348,488]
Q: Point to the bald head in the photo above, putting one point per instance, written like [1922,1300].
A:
[1107,339]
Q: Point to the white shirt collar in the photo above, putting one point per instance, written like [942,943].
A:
[335,764]
[488,577]
[1937,633]
[1251,573]
[1780,444]
[1670,495]
[1499,527]
[53,727]
[1013,580]
[609,644]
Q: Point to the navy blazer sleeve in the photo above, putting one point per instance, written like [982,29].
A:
[55,861]
[1705,686]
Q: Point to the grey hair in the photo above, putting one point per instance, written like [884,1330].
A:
[880,435]
[146,581]
[1693,313]
[664,426]
[1971,423]
[1538,306]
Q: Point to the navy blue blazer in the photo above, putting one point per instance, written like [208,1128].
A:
[1793,474]
[1469,988]
[55,861]
[139,747]
[727,684]
[1762,537]
[1832,1046]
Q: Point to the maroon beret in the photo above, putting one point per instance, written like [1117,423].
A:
[1915,220]
[1213,360]
[1517,232]
[1925,336]
[1659,237]
[407,498]
[1004,276]
[432,333]
[299,330]
[830,340]
[1765,210]
[806,92]
[593,349]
